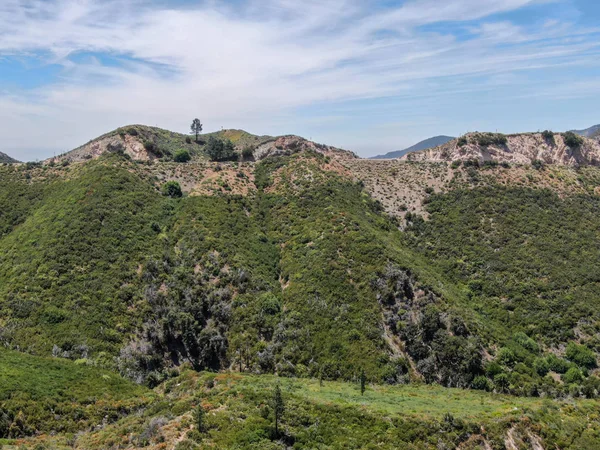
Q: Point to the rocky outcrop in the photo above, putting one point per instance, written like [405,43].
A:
[287,145]
[130,145]
[514,149]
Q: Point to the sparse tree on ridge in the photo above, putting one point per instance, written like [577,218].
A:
[196,127]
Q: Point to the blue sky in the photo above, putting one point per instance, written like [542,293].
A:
[368,75]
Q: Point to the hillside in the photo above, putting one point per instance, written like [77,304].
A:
[427,143]
[551,148]
[303,262]
[4,158]
[144,143]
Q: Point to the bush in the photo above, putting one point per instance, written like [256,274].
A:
[247,153]
[548,136]
[487,139]
[482,383]
[172,189]
[557,364]
[219,150]
[501,382]
[540,365]
[462,141]
[526,342]
[581,355]
[573,375]
[182,156]
[506,356]
[537,164]
[188,140]
[572,140]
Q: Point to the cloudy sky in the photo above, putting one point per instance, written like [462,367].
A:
[368,75]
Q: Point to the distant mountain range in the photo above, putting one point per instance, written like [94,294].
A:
[427,143]
[589,132]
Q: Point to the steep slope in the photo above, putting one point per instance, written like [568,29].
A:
[551,148]
[5,159]
[590,132]
[427,143]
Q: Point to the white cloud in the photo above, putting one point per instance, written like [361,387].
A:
[251,65]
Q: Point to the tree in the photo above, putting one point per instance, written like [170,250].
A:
[172,189]
[196,127]
[278,407]
[198,415]
[182,156]
[219,150]
[363,381]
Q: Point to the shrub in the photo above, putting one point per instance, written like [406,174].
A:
[247,152]
[526,342]
[572,140]
[541,366]
[172,189]
[557,364]
[573,375]
[182,156]
[188,140]
[482,383]
[506,357]
[462,141]
[581,355]
[455,164]
[219,150]
[548,136]
[537,164]
[501,382]
[132,132]
[487,139]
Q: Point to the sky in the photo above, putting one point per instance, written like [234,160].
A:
[370,76]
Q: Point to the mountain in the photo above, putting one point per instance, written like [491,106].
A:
[590,132]
[152,303]
[4,158]
[427,143]
[549,148]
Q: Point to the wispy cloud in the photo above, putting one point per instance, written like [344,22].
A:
[251,64]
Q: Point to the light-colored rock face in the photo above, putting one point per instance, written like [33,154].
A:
[129,145]
[287,145]
[519,149]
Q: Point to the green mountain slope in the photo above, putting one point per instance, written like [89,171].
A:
[297,271]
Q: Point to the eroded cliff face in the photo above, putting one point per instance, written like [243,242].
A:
[514,149]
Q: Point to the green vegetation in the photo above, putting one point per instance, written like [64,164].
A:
[219,150]
[182,156]
[107,264]
[50,394]
[196,127]
[512,251]
[548,136]
[572,140]
[487,139]
[238,411]
[172,189]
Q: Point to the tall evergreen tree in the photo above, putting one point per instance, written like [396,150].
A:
[196,127]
